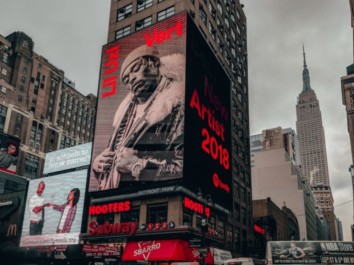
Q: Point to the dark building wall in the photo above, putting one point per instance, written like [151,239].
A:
[280,224]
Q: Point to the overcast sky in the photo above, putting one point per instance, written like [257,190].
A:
[70,35]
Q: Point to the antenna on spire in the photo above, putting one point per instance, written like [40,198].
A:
[303,51]
[305,73]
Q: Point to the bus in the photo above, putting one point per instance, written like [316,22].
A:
[310,252]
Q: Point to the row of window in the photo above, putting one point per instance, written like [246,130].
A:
[239,70]
[145,22]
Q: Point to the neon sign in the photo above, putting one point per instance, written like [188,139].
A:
[161,36]
[196,207]
[117,228]
[110,81]
[114,207]
[259,229]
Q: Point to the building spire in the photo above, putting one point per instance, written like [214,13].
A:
[305,73]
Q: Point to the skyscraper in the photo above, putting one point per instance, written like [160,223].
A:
[313,147]
[347,83]
[200,47]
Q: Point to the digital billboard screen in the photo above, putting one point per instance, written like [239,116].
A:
[207,146]
[54,209]
[140,113]
[68,158]
[9,150]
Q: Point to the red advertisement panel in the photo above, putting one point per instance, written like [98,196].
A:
[140,113]
[159,250]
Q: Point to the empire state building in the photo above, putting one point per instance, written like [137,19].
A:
[311,135]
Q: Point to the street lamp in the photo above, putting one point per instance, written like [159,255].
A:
[206,201]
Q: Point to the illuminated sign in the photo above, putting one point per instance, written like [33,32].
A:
[114,207]
[102,250]
[154,142]
[7,203]
[63,159]
[311,252]
[259,229]
[163,35]
[9,150]
[207,148]
[110,66]
[117,228]
[54,210]
[12,230]
[196,207]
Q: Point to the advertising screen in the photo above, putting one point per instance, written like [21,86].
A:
[68,158]
[9,150]
[207,146]
[311,252]
[54,209]
[140,113]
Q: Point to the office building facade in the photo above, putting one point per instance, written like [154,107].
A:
[187,205]
[276,175]
[313,152]
[347,85]
[39,105]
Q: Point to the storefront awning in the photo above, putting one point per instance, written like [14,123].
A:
[163,250]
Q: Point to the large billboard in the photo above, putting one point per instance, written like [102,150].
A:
[54,209]
[9,150]
[140,113]
[163,112]
[207,146]
[311,252]
[68,158]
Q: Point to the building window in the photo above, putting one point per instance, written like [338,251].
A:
[143,23]
[105,218]
[227,22]
[219,7]
[25,44]
[36,135]
[143,4]
[124,12]
[221,228]
[4,71]
[131,216]
[5,58]
[212,31]
[19,98]
[352,98]
[233,52]
[31,166]
[122,32]
[165,13]
[202,15]
[233,18]
[212,10]
[187,217]
[157,213]
[219,43]
[3,112]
